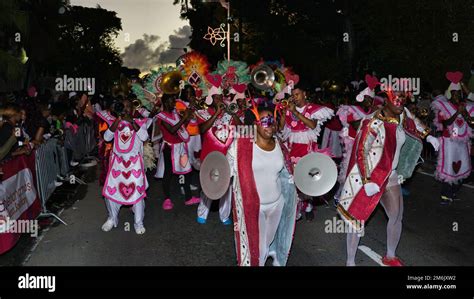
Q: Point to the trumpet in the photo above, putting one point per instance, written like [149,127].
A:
[199,105]
[232,108]
[423,112]
[136,104]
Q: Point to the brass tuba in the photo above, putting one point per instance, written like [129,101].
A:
[136,104]
[262,77]
[170,82]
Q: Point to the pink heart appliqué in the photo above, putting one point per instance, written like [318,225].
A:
[183,160]
[371,81]
[116,173]
[141,189]
[214,79]
[126,190]
[134,159]
[125,137]
[126,175]
[454,77]
[240,88]
[136,173]
[111,190]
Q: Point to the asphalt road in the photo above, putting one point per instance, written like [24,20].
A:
[433,235]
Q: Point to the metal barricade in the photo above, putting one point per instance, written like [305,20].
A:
[47,170]
[63,160]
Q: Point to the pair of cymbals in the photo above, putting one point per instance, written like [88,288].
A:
[315,174]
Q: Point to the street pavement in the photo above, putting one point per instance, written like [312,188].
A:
[433,235]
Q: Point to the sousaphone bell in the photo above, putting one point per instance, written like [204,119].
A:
[262,77]
[315,174]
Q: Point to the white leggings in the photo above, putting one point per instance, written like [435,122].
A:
[268,220]
[392,202]
[225,205]
[138,209]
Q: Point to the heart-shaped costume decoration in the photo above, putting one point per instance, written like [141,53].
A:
[127,190]
[454,77]
[125,137]
[136,173]
[126,174]
[372,81]
[457,166]
[214,79]
[240,88]
[116,173]
[459,122]
[141,189]
[111,190]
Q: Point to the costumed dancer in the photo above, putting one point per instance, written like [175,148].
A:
[453,117]
[301,125]
[264,199]
[174,159]
[126,181]
[373,174]
[216,127]
[332,130]
[351,117]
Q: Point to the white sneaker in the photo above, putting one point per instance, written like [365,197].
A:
[140,230]
[108,225]
[89,164]
[193,187]
[74,163]
[57,184]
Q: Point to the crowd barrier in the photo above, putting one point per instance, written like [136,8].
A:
[51,163]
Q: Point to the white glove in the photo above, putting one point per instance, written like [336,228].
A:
[433,141]
[371,189]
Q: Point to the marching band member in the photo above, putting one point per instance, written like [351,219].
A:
[372,173]
[126,181]
[331,133]
[174,159]
[301,126]
[215,125]
[453,117]
[264,200]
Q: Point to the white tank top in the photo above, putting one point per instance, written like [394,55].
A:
[266,167]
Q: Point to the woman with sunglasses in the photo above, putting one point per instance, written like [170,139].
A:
[264,196]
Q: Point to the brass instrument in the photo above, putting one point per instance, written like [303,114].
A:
[170,82]
[423,112]
[199,105]
[262,77]
[232,108]
[136,104]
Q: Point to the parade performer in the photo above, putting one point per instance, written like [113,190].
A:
[264,198]
[301,125]
[216,126]
[126,181]
[373,172]
[331,133]
[453,117]
[351,117]
[174,158]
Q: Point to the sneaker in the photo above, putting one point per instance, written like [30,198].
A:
[193,187]
[140,230]
[445,200]
[194,200]
[108,225]
[201,220]
[392,261]
[167,204]
[74,163]
[89,164]
[227,221]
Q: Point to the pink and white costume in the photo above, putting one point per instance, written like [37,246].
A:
[454,161]
[126,181]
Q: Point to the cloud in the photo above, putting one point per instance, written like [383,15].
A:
[148,52]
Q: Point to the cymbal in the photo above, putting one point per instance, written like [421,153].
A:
[214,175]
[315,174]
